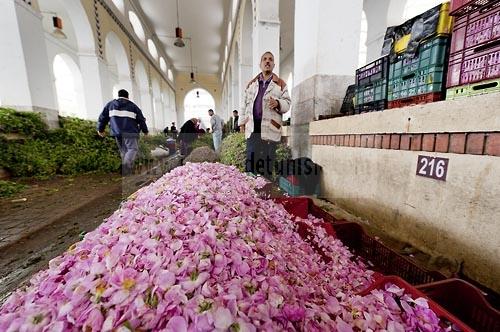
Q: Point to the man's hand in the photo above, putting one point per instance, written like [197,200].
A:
[242,128]
[101,133]
[273,103]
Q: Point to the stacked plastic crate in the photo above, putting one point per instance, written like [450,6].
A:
[419,76]
[371,86]
[474,66]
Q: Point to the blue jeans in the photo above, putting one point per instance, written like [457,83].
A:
[129,147]
[261,156]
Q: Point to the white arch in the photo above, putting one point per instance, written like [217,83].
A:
[197,106]
[363,50]
[69,87]
[157,105]
[120,5]
[236,81]
[163,65]
[152,49]
[144,93]
[395,12]
[116,54]
[137,25]
[229,80]
[229,32]
[414,8]
[118,64]
[234,9]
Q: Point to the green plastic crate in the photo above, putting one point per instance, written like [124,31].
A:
[474,89]
[371,93]
[293,190]
[425,73]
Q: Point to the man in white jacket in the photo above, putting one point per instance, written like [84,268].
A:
[217,124]
[265,100]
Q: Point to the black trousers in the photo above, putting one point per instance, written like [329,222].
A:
[261,156]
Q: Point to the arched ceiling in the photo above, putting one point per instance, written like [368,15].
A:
[205,22]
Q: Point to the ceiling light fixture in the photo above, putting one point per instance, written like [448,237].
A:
[58,26]
[178,31]
[193,81]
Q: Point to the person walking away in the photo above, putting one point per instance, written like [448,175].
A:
[187,135]
[236,128]
[217,124]
[173,130]
[266,99]
[126,122]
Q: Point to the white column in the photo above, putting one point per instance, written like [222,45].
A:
[25,70]
[376,15]
[326,44]
[236,94]
[147,108]
[266,31]
[97,89]
[326,37]
[246,75]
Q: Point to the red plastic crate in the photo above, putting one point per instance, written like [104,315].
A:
[303,206]
[415,100]
[464,301]
[442,313]
[462,7]
[381,258]
[294,180]
[374,253]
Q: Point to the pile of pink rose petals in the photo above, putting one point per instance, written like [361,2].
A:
[198,250]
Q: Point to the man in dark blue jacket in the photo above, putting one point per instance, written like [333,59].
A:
[126,122]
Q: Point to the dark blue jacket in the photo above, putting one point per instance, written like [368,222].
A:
[124,117]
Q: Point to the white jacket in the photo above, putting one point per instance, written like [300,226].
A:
[271,119]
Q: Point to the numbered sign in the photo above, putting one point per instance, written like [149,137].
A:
[432,167]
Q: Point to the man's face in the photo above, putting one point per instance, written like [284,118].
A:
[210,113]
[235,113]
[267,63]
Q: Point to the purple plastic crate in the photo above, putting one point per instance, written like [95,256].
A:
[477,28]
[474,65]
[461,7]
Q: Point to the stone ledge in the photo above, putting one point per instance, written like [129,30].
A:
[470,114]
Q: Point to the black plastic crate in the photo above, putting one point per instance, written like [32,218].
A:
[375,106]
[348,103]
[373,72]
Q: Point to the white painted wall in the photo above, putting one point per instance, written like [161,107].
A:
[457,219]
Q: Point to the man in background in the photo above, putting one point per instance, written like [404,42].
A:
[236,128]
[187,135]
[216,123]
[173,130]
[126,122]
